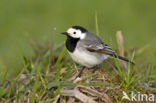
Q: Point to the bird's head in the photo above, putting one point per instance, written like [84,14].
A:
[76,32]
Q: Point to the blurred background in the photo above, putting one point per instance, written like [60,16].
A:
[23,21]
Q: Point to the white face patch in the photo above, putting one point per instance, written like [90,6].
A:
[76,33]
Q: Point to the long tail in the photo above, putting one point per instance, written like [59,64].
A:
[123,59]
[111,53]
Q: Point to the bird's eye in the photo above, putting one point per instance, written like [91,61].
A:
[74,32]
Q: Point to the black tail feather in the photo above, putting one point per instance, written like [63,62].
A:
[123,59]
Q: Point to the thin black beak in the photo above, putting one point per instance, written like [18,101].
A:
[64,33]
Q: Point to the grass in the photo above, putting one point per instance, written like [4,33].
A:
[43,21]
[42,85]
[96,23]
[41,76]
[40,82]
[127,78]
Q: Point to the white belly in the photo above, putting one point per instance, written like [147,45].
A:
[88,59]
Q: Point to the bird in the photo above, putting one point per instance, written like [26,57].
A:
[87,49]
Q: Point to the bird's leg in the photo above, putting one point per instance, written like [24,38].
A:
[95,68]
[81,71]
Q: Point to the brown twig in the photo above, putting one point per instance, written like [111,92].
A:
[119,39]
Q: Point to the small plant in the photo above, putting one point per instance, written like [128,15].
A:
[128,77]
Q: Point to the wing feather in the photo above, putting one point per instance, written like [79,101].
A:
[93,44]
[97,46]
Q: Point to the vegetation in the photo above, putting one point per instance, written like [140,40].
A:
[34,65]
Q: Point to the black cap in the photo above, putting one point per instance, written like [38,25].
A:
[83,30]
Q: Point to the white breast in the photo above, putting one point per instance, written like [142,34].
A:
[86,58]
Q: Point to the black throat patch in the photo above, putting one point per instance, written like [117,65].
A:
[71,43]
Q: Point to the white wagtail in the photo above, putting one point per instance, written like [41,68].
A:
[86,48]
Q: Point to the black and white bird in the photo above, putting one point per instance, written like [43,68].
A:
[86,48]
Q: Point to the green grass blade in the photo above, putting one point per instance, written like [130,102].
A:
[63,83]
[60,56]
[96,24]
[42,80]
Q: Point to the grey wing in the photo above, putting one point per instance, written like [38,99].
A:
[96,46]
[93,44]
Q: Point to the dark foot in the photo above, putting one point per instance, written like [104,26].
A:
[95,68]
[81,71]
